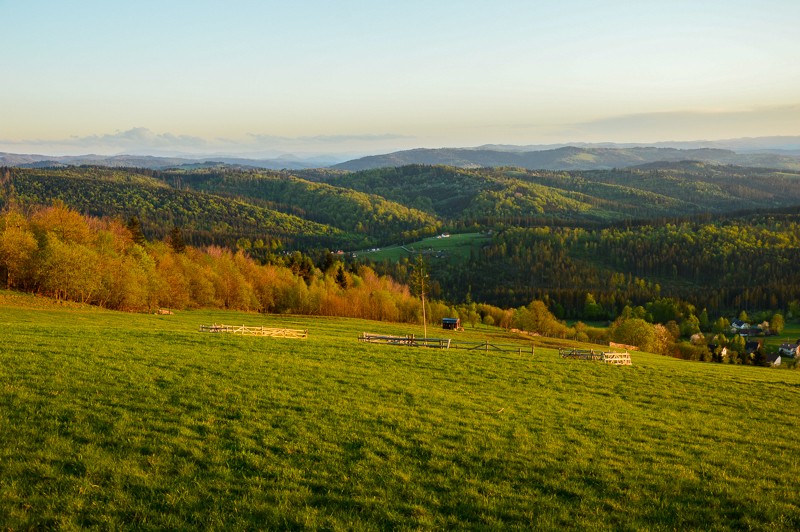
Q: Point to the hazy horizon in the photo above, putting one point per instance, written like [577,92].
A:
[262,79]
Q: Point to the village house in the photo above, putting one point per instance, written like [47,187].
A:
[752,347]
[742,328]
[790,350]
[774,359]
[739,325]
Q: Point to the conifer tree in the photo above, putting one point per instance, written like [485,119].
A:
[176,241]
[135,227]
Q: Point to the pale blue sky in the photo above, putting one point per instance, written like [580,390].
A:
[365,76]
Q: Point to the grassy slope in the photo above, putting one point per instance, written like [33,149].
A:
[115,420]
[455,246]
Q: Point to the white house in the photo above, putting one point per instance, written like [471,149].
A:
[789,350]
[774,360]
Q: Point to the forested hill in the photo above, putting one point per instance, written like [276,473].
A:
[515,196]
[353,210]
[566,158]
[625,236]
[125,193]
[340,207]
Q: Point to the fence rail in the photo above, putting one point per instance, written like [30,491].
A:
[255,331]
[581,354]
[441,343]
[409,340]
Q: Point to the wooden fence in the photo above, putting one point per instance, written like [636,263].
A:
[410,340]
[581,354]
[619,359]
[441,343]
[255,331]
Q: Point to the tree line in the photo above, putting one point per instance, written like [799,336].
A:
[56,251]
[739,263]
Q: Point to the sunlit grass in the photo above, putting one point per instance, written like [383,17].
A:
[113,420]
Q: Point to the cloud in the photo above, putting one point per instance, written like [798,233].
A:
[139,137]
[357,138]
[134,140]
[692,125]
[143,141]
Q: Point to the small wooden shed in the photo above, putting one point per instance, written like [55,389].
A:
[451,323]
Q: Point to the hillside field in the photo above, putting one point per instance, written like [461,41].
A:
[455,246]
[131,421]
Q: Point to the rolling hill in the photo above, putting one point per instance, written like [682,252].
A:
[566,158]
[560,234]
[203,218]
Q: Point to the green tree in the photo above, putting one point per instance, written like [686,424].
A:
[705,324]
[341,277]
[777,324]
[664,309]
[176,241]
[135,227]
[591,309]
[736,345]
[673,329]
[536,317]
[721,326]
[301,265]
[690,325]
[636,332]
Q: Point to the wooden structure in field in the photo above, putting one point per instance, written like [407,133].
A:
[409,340]
[255,331]
[453,324]
[441,343]
[617,359]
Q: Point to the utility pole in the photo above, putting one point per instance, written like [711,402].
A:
[418,276]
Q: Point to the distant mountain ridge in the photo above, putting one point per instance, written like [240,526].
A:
[766,152]
[153,162]
[774,144]
[568,158]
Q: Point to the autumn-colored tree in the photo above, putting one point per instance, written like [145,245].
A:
[17,247]
[66,224]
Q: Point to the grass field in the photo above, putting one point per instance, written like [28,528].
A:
[112,420]
[790,334]
[455,246]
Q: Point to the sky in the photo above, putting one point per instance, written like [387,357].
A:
[264,78]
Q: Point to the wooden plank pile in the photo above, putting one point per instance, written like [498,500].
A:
[618,359]
[255,331]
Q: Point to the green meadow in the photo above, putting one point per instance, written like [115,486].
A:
[111,420]
[451,247]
